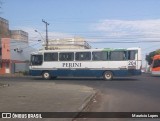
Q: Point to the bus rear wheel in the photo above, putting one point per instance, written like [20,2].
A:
[46,75]
[108,75]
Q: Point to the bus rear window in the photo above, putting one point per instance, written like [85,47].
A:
[36,59]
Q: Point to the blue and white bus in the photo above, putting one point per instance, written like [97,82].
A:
[106,63]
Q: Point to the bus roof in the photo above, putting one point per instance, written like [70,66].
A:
[86,50]
[156,57]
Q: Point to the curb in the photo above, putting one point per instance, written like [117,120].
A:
[13,75]
[85,104]
[87,101]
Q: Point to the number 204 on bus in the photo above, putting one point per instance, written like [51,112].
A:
[106,63]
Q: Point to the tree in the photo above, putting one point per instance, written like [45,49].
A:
[149,57]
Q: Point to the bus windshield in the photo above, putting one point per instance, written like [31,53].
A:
[36,59]
[156,63]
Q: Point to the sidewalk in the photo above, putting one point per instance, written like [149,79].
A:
[13,75]
[45,97]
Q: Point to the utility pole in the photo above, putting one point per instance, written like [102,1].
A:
[46,33]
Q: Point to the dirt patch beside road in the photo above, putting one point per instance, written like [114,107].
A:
[4,85]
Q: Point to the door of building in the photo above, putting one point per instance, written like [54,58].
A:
[7,69]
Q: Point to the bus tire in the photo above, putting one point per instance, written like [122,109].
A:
[107,75]
[46,75]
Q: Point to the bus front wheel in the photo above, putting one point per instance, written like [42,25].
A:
[108,75]
[46,75]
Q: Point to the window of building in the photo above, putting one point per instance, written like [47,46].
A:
[66,56]
[117,55]
[50,56]
[0,51]
[99,56]
[80,56]
[7,65]
[0,65]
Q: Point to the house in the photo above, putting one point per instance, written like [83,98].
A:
[14,55]
[4,28]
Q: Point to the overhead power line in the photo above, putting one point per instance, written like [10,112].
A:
[123,41]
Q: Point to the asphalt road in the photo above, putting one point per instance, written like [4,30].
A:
[132,94]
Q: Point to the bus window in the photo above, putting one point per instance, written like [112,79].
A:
[156,63]
[36,59]
[81,56]
[66,56]
[50,56]
[117,55]
[99,56]
[132,54]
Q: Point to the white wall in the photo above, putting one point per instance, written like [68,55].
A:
[22,54]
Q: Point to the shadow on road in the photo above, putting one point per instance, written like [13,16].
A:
[87,79]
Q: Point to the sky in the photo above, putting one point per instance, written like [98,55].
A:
[102,23]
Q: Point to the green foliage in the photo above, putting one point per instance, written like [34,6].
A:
[158,51]
[149,57]
[25,73]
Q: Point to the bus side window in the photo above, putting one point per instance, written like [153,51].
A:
[132,54]
[99,56]
[117,55]
[80,56]
[50,56]
[66,56]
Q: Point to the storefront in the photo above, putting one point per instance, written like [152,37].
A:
[5,66]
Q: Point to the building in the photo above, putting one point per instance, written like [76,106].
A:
[14,49]
[67,43]
[19,35]
[4,28]
[14,56]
